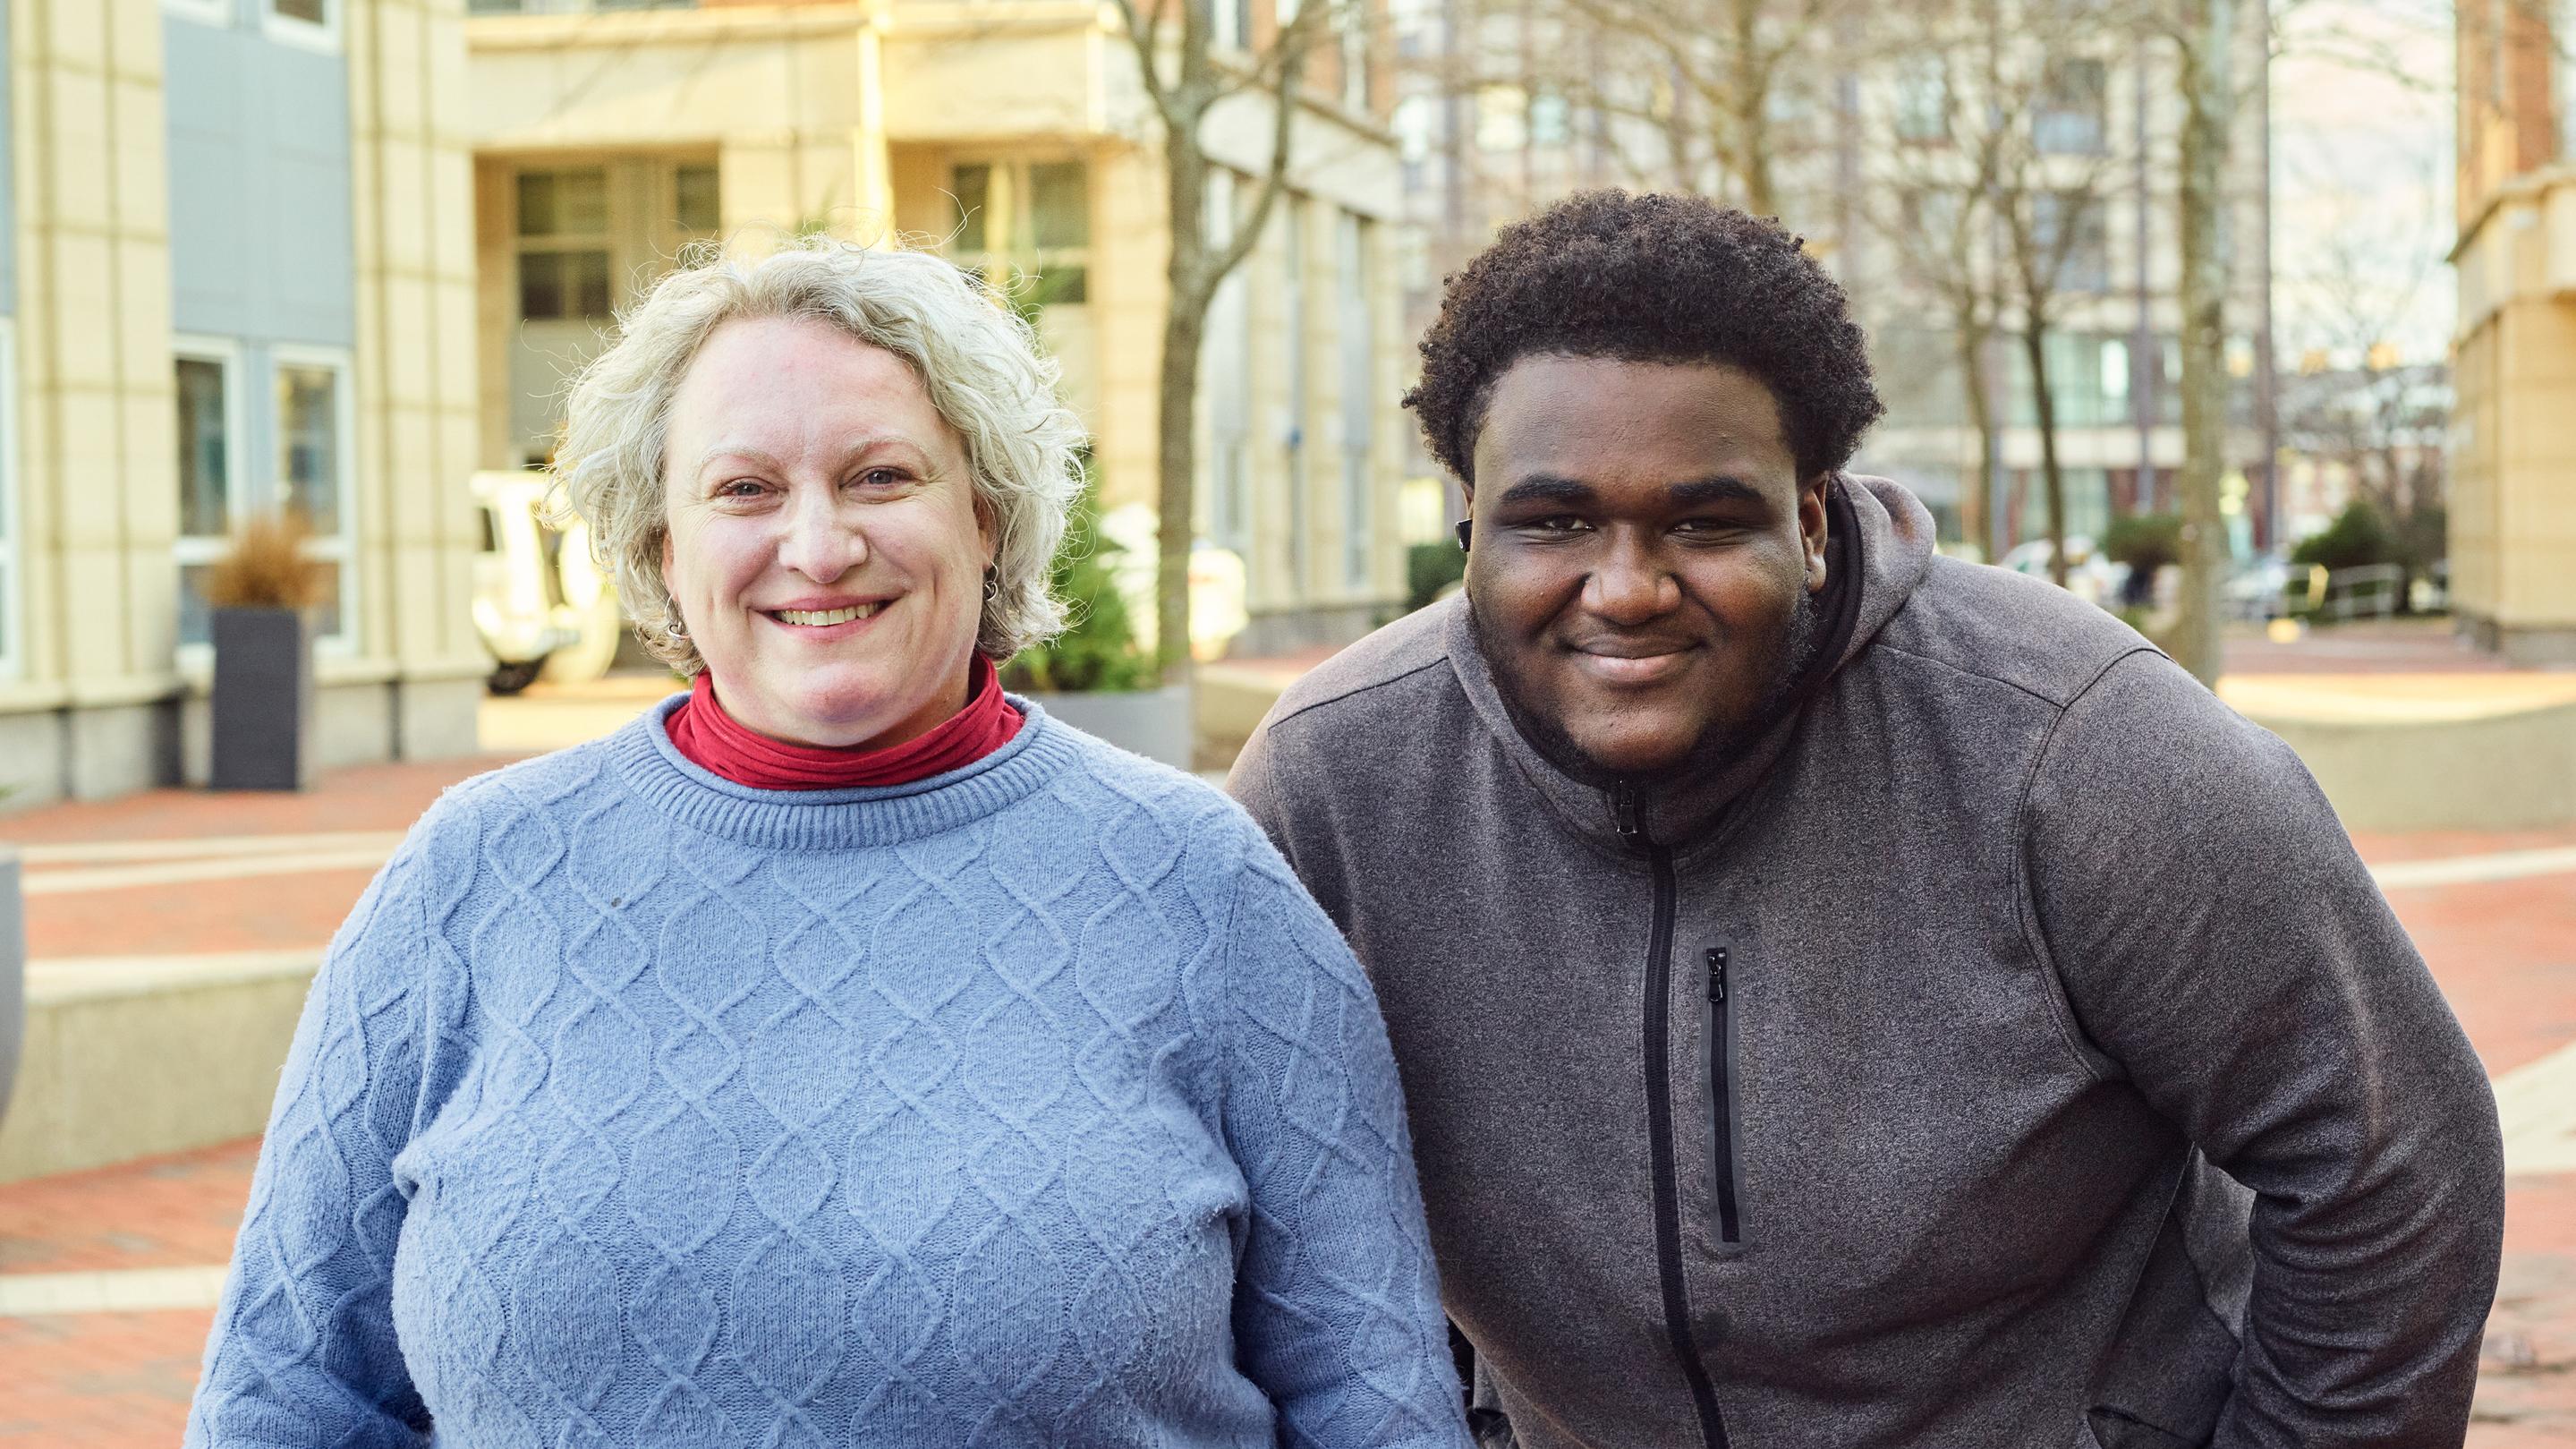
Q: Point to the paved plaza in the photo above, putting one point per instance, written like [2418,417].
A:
[108,1277]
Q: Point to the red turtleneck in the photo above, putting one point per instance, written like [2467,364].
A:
[716,742]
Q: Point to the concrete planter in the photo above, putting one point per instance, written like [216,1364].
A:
[13,972]
[1155,723]
[263,700]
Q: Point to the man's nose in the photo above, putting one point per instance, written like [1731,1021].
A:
[1632,585]
[820,538]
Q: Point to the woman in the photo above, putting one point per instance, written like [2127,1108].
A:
[843,1053]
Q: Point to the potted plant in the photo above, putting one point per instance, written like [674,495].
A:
[260,594]
[1093,676]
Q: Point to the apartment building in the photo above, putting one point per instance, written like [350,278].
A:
[1017,137]
[1506,108]
[235,277]
[2513,448]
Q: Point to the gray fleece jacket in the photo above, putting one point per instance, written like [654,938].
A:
[2010,1050]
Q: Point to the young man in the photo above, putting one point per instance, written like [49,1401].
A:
[1846,996]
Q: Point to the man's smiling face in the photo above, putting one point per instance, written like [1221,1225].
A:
[1643,546]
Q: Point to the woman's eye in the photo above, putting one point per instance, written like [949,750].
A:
[741,488]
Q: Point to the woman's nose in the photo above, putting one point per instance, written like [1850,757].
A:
[820,539]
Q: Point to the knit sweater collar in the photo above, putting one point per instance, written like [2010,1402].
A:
[879,815]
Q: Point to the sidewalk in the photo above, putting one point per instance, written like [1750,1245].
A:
[108,1278]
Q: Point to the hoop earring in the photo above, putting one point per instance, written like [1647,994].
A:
[676,630]
[992,585]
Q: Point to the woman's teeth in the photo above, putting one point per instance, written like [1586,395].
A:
[818,618]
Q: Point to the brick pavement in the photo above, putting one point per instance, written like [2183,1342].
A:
[2504,951]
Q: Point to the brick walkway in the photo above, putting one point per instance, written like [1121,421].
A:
[2505,951]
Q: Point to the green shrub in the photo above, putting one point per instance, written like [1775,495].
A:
[2145,542]
[1429,568]
[1097,650]
[2357,538]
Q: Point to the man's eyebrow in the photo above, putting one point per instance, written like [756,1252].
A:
[1546,488]
[1701,491]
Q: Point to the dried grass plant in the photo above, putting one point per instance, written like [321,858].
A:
[266,568]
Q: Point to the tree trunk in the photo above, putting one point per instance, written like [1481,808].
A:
[1176,468]
[2208,85]
[1176,402]
[1977,523]
[2034,346]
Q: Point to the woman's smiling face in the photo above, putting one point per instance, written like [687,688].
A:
[823,544]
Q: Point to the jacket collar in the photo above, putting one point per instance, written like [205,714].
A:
[1881,548]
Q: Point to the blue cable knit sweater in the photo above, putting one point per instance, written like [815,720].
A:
[1031,1104]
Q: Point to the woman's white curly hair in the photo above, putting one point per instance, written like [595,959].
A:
[981,363]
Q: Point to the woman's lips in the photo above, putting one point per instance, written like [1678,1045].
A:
[843,622]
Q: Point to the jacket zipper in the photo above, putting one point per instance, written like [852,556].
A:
[1659,1116]
[1721,1102]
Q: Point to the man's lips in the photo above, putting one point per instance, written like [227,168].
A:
[1631,661]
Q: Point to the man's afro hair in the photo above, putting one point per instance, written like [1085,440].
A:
[1652,278]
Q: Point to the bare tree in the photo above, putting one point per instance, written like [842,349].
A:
[1997,140]
[2206,36]
[1701,83]
[1185,77]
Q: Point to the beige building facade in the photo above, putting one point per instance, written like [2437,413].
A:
[2513,445]
[1016,138]
[238,278]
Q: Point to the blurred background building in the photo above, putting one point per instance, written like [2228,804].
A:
[237,278]
[2513,438]
[1860,128]
[608,136]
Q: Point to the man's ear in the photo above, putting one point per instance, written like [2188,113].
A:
[1813,519]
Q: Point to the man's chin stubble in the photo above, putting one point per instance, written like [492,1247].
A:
[1719,742]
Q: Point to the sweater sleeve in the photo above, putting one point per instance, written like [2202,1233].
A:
[2222,944]
[303,1348]
[1337,1304]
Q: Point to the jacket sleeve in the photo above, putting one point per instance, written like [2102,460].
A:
[1337,1303]
[303,1349]
[2222,945]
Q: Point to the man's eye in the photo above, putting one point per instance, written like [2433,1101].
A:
[1562,523]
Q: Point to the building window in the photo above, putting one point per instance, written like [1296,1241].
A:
[2072,236]
[312,23]
[209,12]
[1025,225]
[310,434]
[1416,118]
[1358,326]
[312,423]
[1922,95]
[696,205]
[1551,119]
[1502,118]
[210,439]
[564,244]
[2073,105]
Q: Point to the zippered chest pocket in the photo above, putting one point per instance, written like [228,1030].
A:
[1717,1078]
